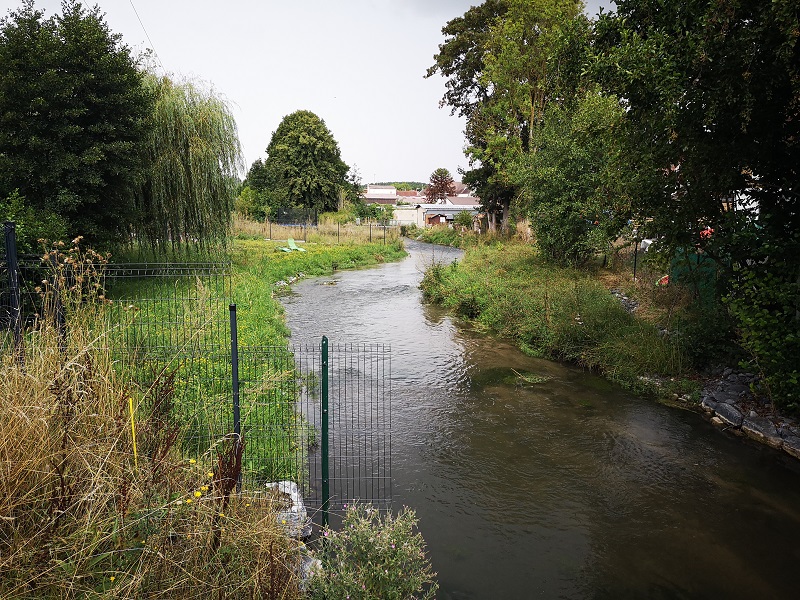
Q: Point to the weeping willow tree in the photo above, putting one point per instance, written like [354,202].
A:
[194,157]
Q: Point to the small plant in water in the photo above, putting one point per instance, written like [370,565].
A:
[374,556]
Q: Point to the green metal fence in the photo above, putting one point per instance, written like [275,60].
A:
[315,414]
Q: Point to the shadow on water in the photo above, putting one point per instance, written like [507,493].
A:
[536,480]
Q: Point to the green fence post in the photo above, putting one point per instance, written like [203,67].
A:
[237,420]
[326,492]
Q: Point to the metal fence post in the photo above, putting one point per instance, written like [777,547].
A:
[13,283]
[326,491]
[237,425]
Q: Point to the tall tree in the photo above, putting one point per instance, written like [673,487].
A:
[441,185]
[577,190]
[713,95]
[462,61]
[304,164]
[498,59]
[72,118]
[193,157]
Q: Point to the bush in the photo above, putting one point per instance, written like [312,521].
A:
[374,556]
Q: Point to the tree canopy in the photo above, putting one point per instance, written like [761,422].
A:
[498,61]
[441,185]
[304,167]
[193,157]
[73,116]
[712,94]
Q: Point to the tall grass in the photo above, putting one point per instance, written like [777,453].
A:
[555,313]
[96,501]
[326,232]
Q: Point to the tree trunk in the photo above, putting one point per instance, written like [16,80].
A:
[505,215]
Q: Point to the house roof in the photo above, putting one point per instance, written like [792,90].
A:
[464,200]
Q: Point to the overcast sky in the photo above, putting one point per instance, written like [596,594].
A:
[357,64]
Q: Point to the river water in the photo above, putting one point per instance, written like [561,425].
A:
[555,484]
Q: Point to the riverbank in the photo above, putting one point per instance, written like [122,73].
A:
[652,345]
[260,270]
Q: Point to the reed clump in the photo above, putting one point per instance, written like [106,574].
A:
[96,500]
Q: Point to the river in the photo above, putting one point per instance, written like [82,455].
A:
[557,484]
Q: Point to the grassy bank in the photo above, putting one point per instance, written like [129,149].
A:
[258,265]
[556,313]
[444,236]
[96,498]
[99,495]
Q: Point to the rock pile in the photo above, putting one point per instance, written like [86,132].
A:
[729,402]
[627,303]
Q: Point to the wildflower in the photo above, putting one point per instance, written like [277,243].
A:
[325,534]
[192,461]
[204,488]
[248,504]
[188,501]
[283,522]
[221,514]
[112,578]
[211,474]
[198,494]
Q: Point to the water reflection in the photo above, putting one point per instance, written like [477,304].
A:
[533,480]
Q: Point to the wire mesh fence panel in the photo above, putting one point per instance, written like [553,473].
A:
[168,327]
[282,408]
[360,408]
[168,331]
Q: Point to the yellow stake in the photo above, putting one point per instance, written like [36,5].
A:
[133,433]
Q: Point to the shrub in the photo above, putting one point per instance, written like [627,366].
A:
[374,556]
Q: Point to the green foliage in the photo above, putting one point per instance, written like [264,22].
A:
[441,185]
[575,187]
[403,186]
[249,204]
[374,556]
[711,96]
[505,61]
[463,219]
[193,156]
[31,225]
[304,167]
[551,312]
[764,298]
[378,212]
[72,119]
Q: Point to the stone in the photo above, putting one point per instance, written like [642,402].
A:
[727,372]
[309,567]
[729,414]
[791,445]
[762,430]
[708,404]
[293,516]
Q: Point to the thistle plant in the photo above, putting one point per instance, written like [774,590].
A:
[374,556]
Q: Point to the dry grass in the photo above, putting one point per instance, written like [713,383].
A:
[325,233]
[87,513]
[657,304]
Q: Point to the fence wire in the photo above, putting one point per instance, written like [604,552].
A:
[168,328]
